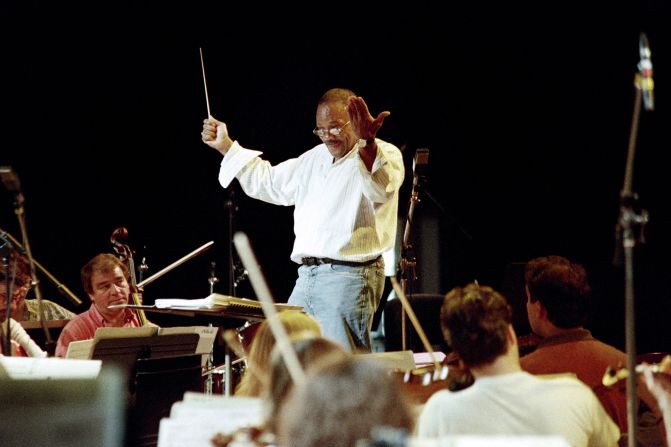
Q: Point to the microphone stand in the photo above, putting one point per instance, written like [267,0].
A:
[408,260]
[20,214]
[626,239]
[62,288]
[6,336]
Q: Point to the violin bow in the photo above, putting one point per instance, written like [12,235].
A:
[415,321]
[262,291]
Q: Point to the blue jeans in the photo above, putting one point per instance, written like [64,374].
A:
[342,298]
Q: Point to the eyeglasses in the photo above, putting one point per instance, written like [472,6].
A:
[323,133]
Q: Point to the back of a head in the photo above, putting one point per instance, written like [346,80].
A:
[340,403]
[309,351]
[562,288]
[475,322]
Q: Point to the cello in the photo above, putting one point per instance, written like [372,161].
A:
[124,253]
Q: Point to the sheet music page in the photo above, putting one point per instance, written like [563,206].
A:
[424,358]
[214,301]
[206,334]
[401,360]
[181,303]
[224,300]
[125,332]
[48,368]
[199,417]
[196,398]
[80,349]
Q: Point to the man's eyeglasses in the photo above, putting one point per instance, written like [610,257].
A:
[323,133]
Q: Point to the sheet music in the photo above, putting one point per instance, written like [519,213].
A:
[195,420]
[400,360]
[80,349]
[424,358]
[124,332]
[181,303]
[48,368]
[206,335]
[83,349]
[215,303]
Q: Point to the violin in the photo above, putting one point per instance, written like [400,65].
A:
[124,253]
[613,375]
[420,383]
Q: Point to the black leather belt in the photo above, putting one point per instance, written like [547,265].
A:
[311,260]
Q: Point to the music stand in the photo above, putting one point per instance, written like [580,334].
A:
[126,351]
[160,369]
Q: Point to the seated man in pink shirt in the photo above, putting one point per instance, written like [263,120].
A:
[106,280]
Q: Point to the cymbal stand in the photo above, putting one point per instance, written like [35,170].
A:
[212,280]
[232,208]
[628,222]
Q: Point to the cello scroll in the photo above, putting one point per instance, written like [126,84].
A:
[125,253]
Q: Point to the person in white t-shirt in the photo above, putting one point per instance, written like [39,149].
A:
[504,400]
[345,197]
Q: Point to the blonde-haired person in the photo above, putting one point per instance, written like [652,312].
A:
[255,378]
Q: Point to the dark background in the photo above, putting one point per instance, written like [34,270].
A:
[526,112]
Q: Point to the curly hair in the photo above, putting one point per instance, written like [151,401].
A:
[22,275]
[475,323]
[562,288]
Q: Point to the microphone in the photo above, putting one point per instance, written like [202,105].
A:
[10,178]
[645,82]
[420,162]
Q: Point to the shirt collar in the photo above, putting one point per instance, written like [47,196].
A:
[579,334]
[101,322]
